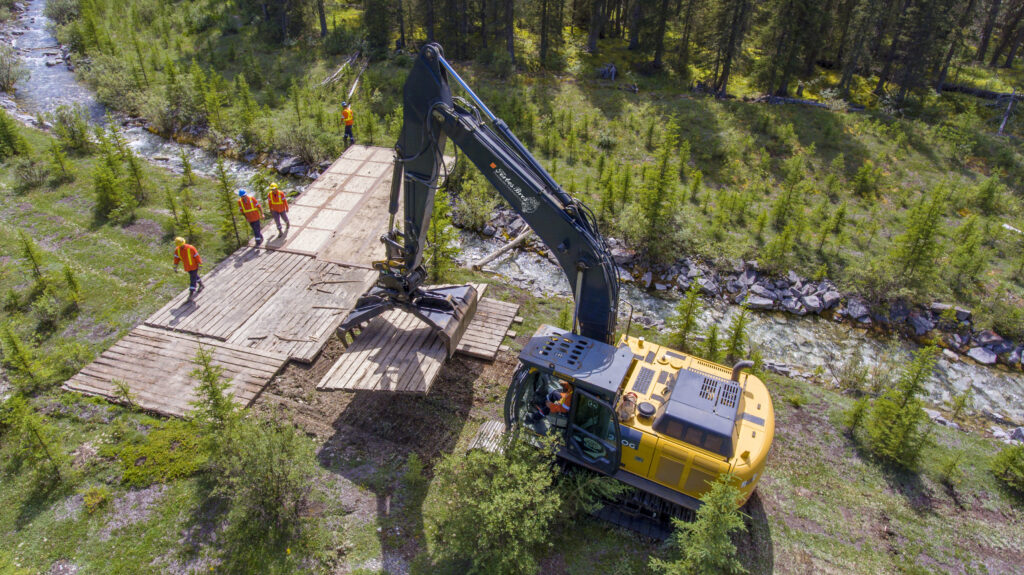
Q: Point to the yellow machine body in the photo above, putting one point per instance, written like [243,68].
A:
[685,466]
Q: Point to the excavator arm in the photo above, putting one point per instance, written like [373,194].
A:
[565,225]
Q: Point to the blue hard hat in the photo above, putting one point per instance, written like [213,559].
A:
[241,193]
[344,104]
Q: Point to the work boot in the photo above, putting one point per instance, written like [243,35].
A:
[201,287]
[191,295]
[279,232]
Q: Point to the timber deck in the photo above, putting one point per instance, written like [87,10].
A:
[263,307]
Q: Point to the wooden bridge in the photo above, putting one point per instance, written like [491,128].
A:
[263,307]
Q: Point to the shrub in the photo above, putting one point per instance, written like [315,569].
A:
[29,173]
[491,511]
[72,127]
[95,498]
[265,470]
[868,180]
[684,322]
[1008,466]
[475,204]
[852,375]
[584,491]
[705,547]
[33,439]
[12,70]
[61,12]
[12,143]
[442,240]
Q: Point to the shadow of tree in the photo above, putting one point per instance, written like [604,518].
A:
[756,551]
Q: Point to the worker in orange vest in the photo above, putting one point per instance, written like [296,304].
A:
[250,208]
[559,402]
[278,207]
[188,256]
[349,117]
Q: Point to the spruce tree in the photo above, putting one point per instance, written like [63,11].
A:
[736,335]
[35,441]
[227,202]
[967,261]
[712,349]
[441,239]
[705,546]
[917,249]
[59,163]
[684,322]
[896,425]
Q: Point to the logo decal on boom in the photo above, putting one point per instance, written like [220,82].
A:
[527,204]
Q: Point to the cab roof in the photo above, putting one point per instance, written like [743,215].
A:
[600,368]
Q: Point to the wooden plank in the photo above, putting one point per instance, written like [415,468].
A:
[487,330]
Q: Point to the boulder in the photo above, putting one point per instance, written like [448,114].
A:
[287,163]
[516,226]
[812,303]
[830,299]
[954,425]
[490,230]
[325,165]
[748,278]
[298,170]
[759,302]
[623,256]
[987,337]
[761,291]
[1017,434]
[694,272]
[962,314]
[708,286]
[781,284]
[939,308]
[792,277]
[660,286]
[792,305]
[857,310]
[920,323]
[982,355]
[646,280]
[998,432]
[950,355]
[899,311]
[733,286]
[683,282]
[1000,347]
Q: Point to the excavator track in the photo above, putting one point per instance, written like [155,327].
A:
[636,510]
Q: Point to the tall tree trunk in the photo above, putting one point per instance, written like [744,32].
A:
[636,16]
[659,41]
[737,29]
[401,23]
[464,28]
[323,17]
[510,29]
[597,14]
[483,24]
[894,45]
[1007,35]
[1016,46]
[986,31]
[429,19]
[284,20]
[543,32]
[684,47]
[958,32]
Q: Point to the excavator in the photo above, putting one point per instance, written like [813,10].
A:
[663,422]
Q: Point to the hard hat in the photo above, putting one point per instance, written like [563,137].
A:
[179,241]
[344,104]
[241,193]
[554,397]
[273,185]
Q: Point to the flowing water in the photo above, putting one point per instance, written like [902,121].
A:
[806,344]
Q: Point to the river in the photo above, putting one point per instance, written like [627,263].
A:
[805,343]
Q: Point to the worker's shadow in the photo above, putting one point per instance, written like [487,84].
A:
[387,443]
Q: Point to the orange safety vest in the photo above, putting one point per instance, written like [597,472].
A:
[349,116]
[563,405]
[250,207]
[187,255]
[277,201]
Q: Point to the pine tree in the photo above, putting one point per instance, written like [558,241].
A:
[59,163]
[834,225]
[917,249]
[684,322]
[896,425]
[31,253]
[705,546]
[74,287]
[12,143]
[967,261]
[226,201]
[34,440]
[657,200]
[214,406]
[736,335]
[18,357]
[186,168]
[441,239]
[712,349]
